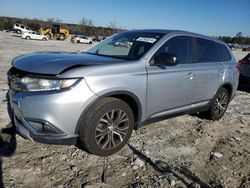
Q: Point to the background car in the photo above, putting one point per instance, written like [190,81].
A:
[34,35]
[246,49]
[20,28]
[244,68]
[81,39]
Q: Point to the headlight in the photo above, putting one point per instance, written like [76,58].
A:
[40,84]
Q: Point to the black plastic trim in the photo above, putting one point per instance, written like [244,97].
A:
[64,140]
[164,117]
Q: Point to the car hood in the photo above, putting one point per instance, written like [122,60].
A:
[53,63]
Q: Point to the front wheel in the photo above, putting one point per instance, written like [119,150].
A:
[61,37]
[28,37]
[106,127]
[218,104]
[48,36]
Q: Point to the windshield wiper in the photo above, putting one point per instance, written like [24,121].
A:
[118,57]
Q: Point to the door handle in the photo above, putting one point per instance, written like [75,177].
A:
[190,75]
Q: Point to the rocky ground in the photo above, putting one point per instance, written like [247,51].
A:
[181,152]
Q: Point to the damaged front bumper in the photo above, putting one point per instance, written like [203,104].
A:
[49,117]
[34,129]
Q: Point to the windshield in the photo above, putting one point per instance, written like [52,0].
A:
[128,45]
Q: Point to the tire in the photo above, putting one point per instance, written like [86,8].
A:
[102,132]
[28,37]
[48,36]
[61,37]
[218,105]
[18,31]
[44,39]
[90,42]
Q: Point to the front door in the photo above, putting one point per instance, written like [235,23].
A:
[170,87]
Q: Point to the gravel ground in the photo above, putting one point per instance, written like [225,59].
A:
[180,152]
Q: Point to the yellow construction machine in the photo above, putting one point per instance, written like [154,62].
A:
[55,32]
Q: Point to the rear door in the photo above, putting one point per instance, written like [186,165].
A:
[84,40]
[38,36]
[209,70]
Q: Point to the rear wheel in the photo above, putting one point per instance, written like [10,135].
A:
[218,104]
[106,127]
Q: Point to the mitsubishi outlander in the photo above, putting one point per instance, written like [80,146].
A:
[98,97]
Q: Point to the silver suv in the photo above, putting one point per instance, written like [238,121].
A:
[96,98]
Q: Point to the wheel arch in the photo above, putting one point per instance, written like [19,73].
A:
[131,99]
[229,87]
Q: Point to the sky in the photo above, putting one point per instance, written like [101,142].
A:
[208,17]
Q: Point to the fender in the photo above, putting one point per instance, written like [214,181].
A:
[110,94]
[225,85]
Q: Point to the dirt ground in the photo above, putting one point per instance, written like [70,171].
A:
[180,152]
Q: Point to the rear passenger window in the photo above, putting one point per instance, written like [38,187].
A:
[22,26]
[223,53]
[179,46]
[206,51]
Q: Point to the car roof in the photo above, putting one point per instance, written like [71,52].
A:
[163,31]
[167,31]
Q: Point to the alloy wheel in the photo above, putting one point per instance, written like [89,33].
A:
[111,129]
[220,104]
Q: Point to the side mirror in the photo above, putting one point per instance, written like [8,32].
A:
[166,59]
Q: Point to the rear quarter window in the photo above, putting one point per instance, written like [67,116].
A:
[223,52]
[206,51]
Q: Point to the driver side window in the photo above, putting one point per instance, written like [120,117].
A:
[180,46]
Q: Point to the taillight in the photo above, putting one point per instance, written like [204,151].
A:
[240,62]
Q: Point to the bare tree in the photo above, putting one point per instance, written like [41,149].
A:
[52,21]
[58,21]
[239,34]
[90,27]
[82,25]
[114,27]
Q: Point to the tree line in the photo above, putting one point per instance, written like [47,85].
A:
[84,27]
[238,38]
[87,27]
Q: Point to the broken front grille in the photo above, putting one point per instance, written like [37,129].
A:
[14,79]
